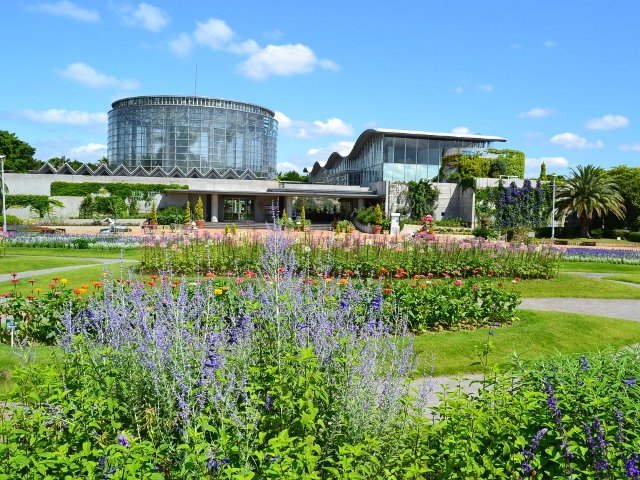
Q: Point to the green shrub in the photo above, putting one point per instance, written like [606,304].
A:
[172,214]
[14,220]
[484,232]
[634,237]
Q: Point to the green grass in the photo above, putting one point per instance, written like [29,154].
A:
[597,267]
[77,277]
[631,278]
[576,286]
[535,335]
[21,264]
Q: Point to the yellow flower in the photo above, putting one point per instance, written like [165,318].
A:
[217,291]
[64,281]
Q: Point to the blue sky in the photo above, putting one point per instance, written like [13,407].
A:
[559,80]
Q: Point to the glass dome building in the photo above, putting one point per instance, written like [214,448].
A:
[192,133]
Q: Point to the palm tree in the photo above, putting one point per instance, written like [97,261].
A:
[589,191]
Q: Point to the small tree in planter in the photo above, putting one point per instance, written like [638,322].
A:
[187,213]
[199,213]
[305,225]
[153,216]
[378,218]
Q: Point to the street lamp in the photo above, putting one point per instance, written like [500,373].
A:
[553,208]
[4,211]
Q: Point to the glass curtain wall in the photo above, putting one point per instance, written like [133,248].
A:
[192,132]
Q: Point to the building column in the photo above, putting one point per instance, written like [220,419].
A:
[215,207]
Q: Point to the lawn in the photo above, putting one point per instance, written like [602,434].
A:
[77,277]
[21,263]
[566,285]
[536,334]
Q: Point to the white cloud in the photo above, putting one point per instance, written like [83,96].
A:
[630,147]
[550,44]
[68,9]
[284,60]
[459,90]
[532,165]
[572,140]
[181,45]
[261,62]
[333,126]
[608,122]
[90,151]
[321,154]
[318,128]
[460,130]
[537,112]
[287,167]
[86,75]
[487,88]
[68,117]
[150,17]
[214,33]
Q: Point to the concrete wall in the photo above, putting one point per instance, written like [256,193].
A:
[453,202]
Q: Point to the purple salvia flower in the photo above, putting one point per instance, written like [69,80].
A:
[123,440]
[631,466]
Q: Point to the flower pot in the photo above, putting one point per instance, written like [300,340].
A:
[200,224]
[377,229]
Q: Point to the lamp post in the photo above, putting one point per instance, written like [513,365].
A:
[553,208]
[4,211]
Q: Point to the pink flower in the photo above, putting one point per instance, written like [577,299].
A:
[457,283]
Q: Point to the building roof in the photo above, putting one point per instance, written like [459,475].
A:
[373,132]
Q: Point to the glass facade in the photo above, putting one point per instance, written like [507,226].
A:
[192,132]
[394,158]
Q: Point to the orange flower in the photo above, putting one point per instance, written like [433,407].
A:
[344,281]
[386,291]
[210,275]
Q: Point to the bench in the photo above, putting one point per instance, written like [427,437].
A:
[588,244]
[561,242]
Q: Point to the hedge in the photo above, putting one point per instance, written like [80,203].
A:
[37,202]
[634,237]
[122,190]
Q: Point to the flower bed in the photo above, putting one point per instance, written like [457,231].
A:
[603,255]
[364,256]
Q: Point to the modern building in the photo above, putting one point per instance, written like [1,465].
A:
[209,136]
[225,152]
[397,156]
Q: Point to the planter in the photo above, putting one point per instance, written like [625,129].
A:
[377,229]
[200,224]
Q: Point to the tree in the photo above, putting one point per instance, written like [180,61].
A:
[19,154]
[628,181]
[422,197]
[292,176]
[589,192]
[543,172]
[199,210]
